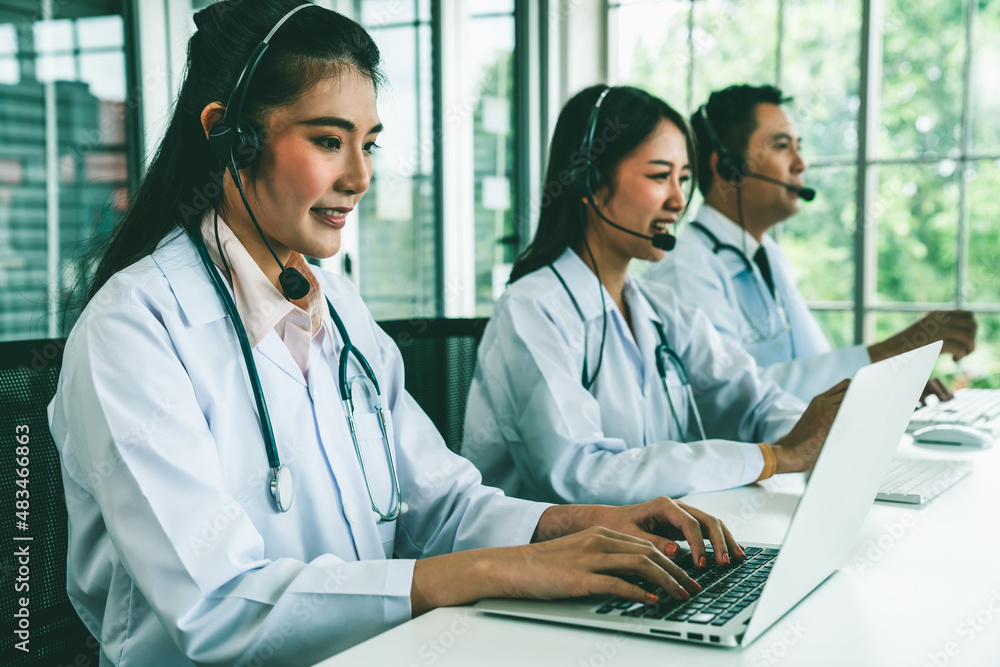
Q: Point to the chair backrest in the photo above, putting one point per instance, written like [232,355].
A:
[31,486]
[440,358]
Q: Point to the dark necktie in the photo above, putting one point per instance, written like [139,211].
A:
[760,257]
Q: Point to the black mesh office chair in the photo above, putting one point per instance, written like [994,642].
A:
[28,374]
[440,358]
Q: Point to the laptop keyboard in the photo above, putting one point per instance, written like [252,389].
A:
[725,591]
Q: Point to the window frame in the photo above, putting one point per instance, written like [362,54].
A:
[865,304]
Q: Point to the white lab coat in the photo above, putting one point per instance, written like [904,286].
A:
[534,430]
[177,554]
[798,358]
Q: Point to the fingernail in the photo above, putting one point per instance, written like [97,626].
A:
[725,559]
[685,594]
[651,598]
[671,550]
[697,586]
[702,562]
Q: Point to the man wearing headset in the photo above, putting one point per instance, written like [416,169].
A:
[750,172]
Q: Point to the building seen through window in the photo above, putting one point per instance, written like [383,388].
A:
[64,152]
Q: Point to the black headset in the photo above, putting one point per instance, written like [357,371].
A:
[733,167]
[585,178]
[237,145]
[234,142]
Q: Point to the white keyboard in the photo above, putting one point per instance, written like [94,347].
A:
[917,480]
[978,408]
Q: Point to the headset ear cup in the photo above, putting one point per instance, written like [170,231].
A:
[577,181]
[730,168]
[584,179]
[220,142]
[246,146]
[592,177]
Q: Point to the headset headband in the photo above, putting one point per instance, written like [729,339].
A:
[730,166]
[588,142]
[243,82]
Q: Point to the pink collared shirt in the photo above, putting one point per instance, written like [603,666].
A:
[259,303]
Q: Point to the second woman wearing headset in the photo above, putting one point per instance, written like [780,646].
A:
[593,386]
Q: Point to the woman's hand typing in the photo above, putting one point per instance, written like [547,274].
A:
[581,550]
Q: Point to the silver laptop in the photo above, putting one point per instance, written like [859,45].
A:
[737,604]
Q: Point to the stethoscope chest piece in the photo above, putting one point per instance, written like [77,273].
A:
[281,487]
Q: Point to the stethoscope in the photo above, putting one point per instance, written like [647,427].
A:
[281,486]
[664,352]
[775,328]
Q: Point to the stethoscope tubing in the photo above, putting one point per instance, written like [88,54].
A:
[241,334]
[774,329]
[281,475]
[661,349]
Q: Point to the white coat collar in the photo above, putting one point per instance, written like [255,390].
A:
[194,290]
[643,313]
[729,232]
[582,282]
[178,259]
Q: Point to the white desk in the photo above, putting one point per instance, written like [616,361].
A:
[921,589]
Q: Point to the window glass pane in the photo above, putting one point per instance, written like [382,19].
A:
[734,42]
[105,73]
[91,167]
[493,154]
[819,240]
[101,31]
[917,216]
[653,50]
[8,39]
[820,68]
[985,65]
[396,216]
[838,325]
[56,68]
[979,369]
[983,284]
[10,71]
[922,78]
[54,36]
[490,7]
[376,13]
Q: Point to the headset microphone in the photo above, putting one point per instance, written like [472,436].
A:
[664,241]
[807,194]
[660,241]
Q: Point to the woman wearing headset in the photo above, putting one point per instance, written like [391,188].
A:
[240,458]
[593,386]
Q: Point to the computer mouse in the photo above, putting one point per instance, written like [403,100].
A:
[952,434]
